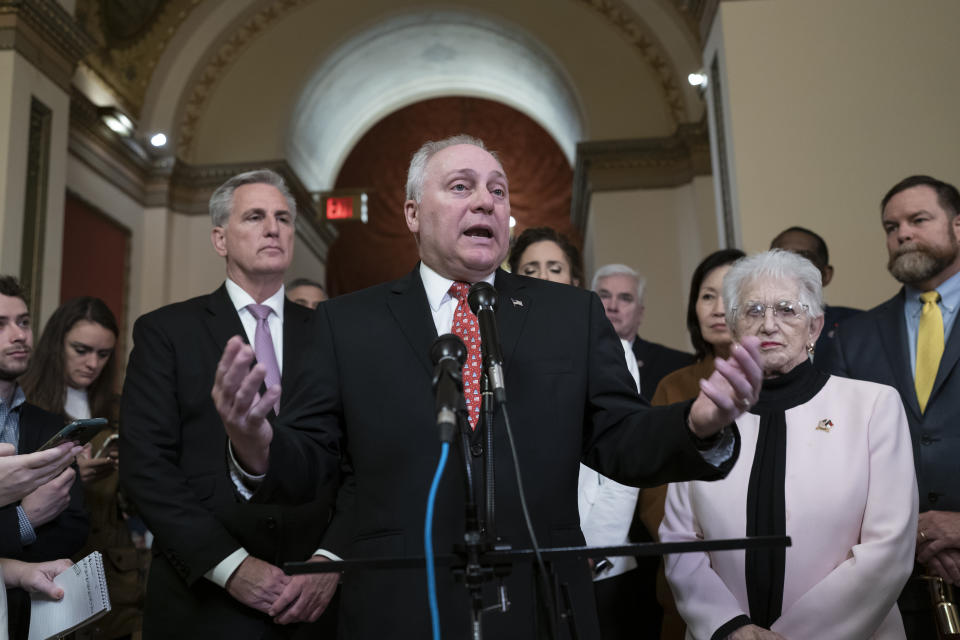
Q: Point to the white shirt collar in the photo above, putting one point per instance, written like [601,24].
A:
[438,287]
[241,298]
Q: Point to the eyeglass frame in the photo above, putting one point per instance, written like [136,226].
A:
[772,307]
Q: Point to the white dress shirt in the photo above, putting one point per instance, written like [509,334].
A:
[442,305]
[77,404]
[606,506]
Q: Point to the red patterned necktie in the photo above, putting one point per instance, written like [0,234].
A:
[465,327]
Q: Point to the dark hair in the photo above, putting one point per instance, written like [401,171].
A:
[820,253]
[304,282]
[45,381]
[534,235]
[10,287]
[947,194]
[711,262]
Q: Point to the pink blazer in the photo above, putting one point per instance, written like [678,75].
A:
[851,511]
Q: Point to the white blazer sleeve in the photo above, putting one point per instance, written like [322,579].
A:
[853,599]
[702,597]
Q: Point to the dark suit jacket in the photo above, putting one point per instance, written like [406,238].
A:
[825,350]
[570,396]
[873,346]
[174,468]
[655,361]
[60,538]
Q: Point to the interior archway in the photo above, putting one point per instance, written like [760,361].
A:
[454,53]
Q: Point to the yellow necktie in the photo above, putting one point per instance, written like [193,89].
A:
[929,346]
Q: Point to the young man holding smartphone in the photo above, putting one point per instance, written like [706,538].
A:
[50,521]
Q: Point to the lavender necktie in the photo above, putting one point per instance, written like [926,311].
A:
[263,347]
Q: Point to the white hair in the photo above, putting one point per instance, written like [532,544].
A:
[775,264]
[222,199]
[418,163]
[608,270]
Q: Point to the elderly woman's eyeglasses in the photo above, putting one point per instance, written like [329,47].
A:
[786,310]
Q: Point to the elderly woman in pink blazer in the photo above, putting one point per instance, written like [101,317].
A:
[824,460]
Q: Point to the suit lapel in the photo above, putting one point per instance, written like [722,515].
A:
[512,308]
[222,320]
[893,337]
[407,302]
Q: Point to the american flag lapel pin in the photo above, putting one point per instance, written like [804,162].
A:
[516,303]
[825,425]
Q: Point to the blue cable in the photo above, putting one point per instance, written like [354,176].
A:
[428,541]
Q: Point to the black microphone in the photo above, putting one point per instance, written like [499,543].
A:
[448,354]
[483,302]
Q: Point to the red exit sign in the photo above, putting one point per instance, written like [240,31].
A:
[340,208]
[343,205]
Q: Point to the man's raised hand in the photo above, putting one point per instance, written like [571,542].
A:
[733,388]
[243,410]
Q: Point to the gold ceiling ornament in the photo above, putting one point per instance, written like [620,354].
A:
[638,34]
[216,66]
[127,64]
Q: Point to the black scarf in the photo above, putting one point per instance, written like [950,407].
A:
[765,501]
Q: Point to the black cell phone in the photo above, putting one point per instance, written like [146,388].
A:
[79,431]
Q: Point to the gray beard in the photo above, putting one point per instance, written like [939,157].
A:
[919,264]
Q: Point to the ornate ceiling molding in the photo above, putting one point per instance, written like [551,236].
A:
[216,66]
[174,184]
[638,34]
[619,15]
[46,35]
[647,163]
[127,67]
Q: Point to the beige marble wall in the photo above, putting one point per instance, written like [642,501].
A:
[828,105]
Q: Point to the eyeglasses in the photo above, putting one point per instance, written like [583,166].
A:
[787,310]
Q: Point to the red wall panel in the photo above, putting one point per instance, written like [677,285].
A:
[95,251]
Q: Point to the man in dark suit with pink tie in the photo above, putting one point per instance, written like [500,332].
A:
[221,529]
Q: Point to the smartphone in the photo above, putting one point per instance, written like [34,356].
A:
[79,431]
[106,445]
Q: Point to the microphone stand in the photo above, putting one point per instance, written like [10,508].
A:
[480,532]
[473,571]
[489,469]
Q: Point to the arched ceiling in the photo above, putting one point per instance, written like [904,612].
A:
[413,57]
[226,77]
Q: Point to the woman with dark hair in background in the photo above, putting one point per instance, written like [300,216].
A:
[74,373]
[541,252]
[707,326]
[73,369]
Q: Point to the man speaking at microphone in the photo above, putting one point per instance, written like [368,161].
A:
[570,397]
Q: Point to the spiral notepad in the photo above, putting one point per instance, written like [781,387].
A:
[85,599]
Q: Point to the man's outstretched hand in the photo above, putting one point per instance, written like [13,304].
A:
[733,388]
[243,410]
